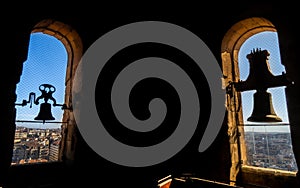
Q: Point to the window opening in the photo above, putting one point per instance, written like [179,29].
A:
[268,145]
[40,101]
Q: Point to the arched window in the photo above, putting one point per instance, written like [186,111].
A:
[44,120]
[251,150]
[37,137]
[268,144]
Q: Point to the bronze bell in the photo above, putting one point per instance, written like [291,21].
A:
[260,78]
[263,110]
[45,112]
[45,108]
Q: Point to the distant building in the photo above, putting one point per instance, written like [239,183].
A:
[18,153]
[44,153]
[34,153]
[53,150]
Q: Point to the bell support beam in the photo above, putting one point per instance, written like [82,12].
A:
[277,81]
[45,113]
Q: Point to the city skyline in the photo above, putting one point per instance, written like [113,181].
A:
[33,145]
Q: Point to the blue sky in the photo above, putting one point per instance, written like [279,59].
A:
[47,62]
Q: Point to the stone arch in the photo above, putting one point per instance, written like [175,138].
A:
[231,44]
[235,37]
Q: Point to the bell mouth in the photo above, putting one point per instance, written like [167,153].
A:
[267,118]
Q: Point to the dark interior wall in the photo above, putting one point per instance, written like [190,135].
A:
[88,167]
[213,164]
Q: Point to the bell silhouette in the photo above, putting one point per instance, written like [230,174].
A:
[263,110]
[45,113]
[260,78]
